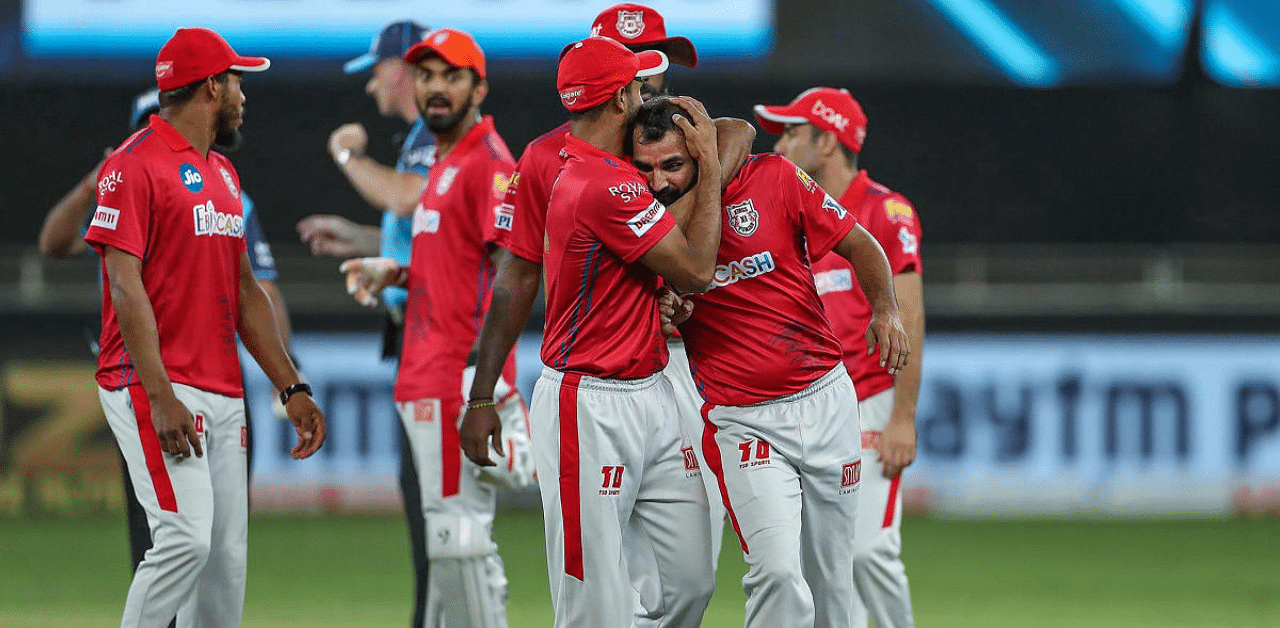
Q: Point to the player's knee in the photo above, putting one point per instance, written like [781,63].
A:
[775,577]
[191,551]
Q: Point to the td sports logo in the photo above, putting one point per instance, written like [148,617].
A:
[211,222]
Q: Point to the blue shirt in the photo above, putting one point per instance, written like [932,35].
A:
[260,258]
[417,154]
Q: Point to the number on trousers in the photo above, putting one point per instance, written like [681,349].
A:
[612,476]
[762,450]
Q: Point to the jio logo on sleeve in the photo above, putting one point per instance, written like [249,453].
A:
[191,178]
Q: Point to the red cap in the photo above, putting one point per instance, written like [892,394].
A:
[639,27]
[593,69]
[457,48]
[195,54]
[827,108]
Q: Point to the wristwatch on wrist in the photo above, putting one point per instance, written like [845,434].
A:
[343,157]
[290,391]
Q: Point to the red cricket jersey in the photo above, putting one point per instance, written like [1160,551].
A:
[178,211]
[891,219]
[522,220]
[602,307]
[450,273]
[760,333]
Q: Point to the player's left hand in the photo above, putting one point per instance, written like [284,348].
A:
[897,447]
[367,276]
[672,310]
[308,420]
[886,331]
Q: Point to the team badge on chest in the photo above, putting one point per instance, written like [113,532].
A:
[743,217]
[446,180]
[231,183]
[630,23]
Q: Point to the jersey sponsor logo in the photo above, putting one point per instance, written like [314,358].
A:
[745,268]
[910,245]
[231,183]
[743,217]
[806,180]
[501,183]
[190,177]
[199,423]
[850,476]
[110,182]
[163,69]
[612,484]
[830,204]
[515,180]
[426,221]
[838,280]
[642,222]
[105,218]
[829,115]
[628,190]
[571,95]
[630,24]
[755,453]
[446,180]
[897,211]
[504,216]
[209,221]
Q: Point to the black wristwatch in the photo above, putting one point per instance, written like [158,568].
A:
[296,388]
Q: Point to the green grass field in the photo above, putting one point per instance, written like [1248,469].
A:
[344,572]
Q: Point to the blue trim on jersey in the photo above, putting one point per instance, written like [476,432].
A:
[548,135]
[140,138]
[583,302]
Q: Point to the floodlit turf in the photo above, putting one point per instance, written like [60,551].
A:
[347,572]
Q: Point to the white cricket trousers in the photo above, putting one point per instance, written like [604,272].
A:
[689,403]
[788,471]
[197,509]
[884,595]
[619,481]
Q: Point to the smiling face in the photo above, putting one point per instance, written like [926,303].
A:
[445,94]
[666,164]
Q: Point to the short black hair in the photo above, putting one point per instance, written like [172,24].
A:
[182,95]
[655,119]
[850,155]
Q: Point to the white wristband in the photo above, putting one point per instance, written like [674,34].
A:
[343,156]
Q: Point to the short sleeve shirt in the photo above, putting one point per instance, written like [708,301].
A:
[178,211]
[602,307]
[450,272]
[891,219]
[523,219]
[417,154]
[760,333]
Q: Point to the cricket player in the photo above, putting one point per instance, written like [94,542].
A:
[822,131]
[449,281]
[62,237]
[521,231]
[393,191]
[781,419]
[178,288]
[608,444]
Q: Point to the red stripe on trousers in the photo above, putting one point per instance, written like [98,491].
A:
[711,452]
[570,497]
[151,451]
[450,449]
[893,501]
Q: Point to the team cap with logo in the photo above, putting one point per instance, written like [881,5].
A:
[392,42]
[593,69]
[639,27]
[827,108]
[457,48]
[195,54]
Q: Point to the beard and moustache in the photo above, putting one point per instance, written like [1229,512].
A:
[226,135]
[446,122]
[670,194]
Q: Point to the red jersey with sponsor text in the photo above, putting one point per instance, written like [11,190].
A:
[178,211]
[760,332]
[891,219]
[602,307]
[522,219]
[450,272]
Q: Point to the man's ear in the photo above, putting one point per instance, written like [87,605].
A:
[480,91]
[828,143]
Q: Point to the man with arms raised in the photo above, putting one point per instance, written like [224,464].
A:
[781,418]
[822,131]
[177,289]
